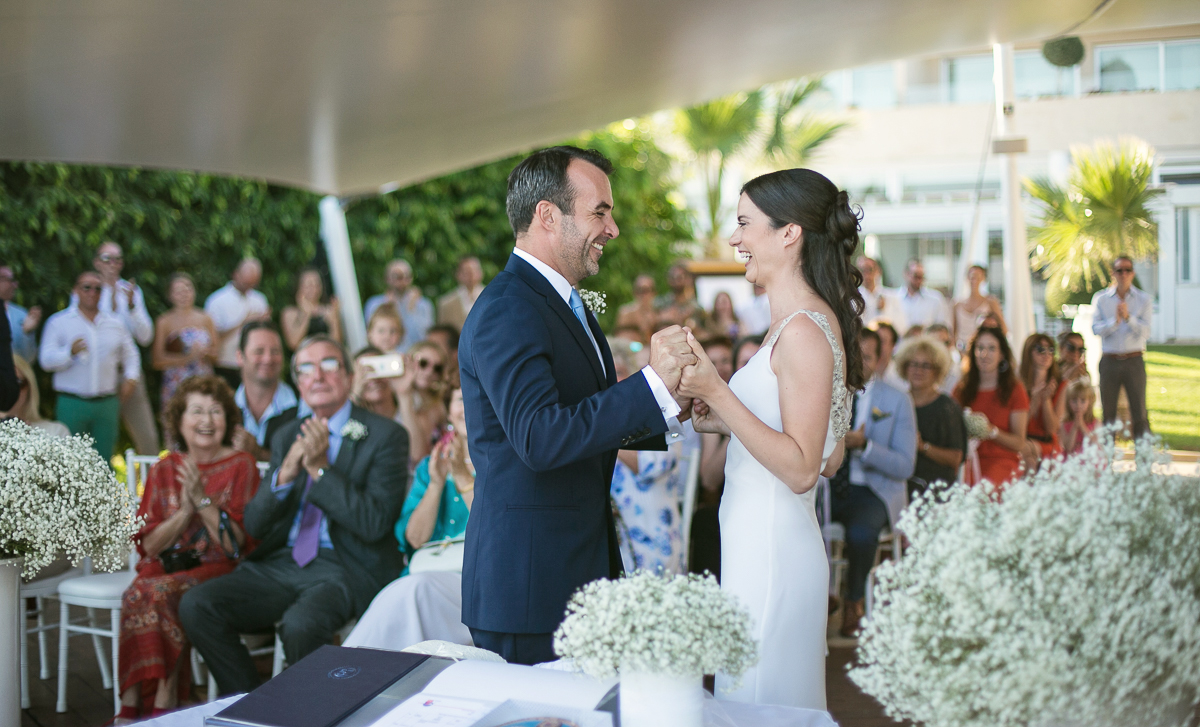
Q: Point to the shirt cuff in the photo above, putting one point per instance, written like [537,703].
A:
[278,490]
[867,449]
[666,403]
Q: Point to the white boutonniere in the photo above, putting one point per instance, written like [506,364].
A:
[596,301]
[355,430]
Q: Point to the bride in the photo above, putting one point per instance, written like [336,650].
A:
[786,411]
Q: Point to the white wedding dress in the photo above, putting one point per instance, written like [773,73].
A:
[772,553]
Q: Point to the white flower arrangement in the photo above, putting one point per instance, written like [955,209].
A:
[58,496]
[977,424]
[596,301]
[355,430]
[1072,600]
[682,625]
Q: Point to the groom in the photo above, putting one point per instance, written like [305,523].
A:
[545,414]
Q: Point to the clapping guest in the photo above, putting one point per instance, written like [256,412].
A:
[647,491]
[193,506]
[419,393]
[185,342]
[1080,423]
[233,306]
[1072,361]
[312,315]
[428,605]
[941,434]
[22,322]
[266,402]
[1039,374]
[446,336]
[641,313]
[26,406]
[385,329]
[991,387]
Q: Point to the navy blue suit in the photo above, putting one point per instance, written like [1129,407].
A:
[544,424]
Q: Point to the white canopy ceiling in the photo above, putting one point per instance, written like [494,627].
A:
[344,96]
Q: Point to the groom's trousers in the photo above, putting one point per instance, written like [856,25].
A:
[527,649]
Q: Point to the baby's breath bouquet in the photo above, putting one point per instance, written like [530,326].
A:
[1073,600]
[58,496]
[679,625]
[977,424]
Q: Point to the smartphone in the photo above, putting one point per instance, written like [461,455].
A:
[448,436]
[387,366]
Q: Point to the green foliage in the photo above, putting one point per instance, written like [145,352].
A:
[1102,213]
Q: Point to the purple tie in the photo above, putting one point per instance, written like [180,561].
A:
[308,539]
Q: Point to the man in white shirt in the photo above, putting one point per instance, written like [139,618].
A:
[95,364]
[415,310]
[262,397]
[1122,320]
[879,303]
[453,307]
[922,306]
[231,307]
[124,299]
[755,316]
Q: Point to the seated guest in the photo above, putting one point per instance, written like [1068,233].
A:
[1081,416]
[991,387]
[374,393]
[647,491]
[723,321]
[193,506]
[446,336]
[26,407]
[312,315]
[419,395]
[422,606]
[1072,362]
[385,329]
[1039,374]
[705,541]
[941,434]
[942,334]
[324,519]
[869,490]
[888,338]
[744,349]
[266,402]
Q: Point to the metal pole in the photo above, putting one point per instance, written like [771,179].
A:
[1018,285]
[341,268]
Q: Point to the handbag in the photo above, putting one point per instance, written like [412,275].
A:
[443,555]
[182,556]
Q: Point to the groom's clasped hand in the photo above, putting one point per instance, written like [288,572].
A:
[680,361]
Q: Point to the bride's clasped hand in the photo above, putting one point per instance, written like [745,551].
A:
[703,384]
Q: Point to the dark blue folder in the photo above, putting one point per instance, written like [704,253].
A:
[320,690]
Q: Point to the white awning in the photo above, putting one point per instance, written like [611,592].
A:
[347,96]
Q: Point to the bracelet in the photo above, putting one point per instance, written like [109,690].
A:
[203,503]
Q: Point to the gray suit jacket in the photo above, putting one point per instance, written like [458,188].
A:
[361,493]
[888,462]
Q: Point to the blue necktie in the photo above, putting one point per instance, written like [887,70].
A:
[581,314]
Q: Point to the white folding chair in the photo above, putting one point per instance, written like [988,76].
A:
[691,484]
[834,535]
[892,542]
[101,591]
[39,590]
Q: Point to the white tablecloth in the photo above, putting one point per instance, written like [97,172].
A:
[716,714]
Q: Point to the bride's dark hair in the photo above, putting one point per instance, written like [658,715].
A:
[830,236]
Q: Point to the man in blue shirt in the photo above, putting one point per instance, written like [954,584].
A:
[1122,321]
[22,322]
[415,310]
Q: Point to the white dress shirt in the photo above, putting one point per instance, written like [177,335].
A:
[923,308]
[131,309]
[858,475]
[93,372]
[229,307]
[1117,336]
[666,403]
[883,304]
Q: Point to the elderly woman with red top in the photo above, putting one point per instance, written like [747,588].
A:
[1039,373]
[192,507]
[991,387]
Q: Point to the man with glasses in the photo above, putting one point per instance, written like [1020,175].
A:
[124,299]
[415,310]
[22,323]
[922,306]
[95,362]
[878,301]
[1122,321]
[324,517]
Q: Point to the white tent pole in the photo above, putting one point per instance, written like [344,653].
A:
[341,268]
[1018,286]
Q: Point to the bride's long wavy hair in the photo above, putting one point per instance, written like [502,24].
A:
[830,236]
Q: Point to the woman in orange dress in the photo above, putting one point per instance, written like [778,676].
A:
[1039,373]
[991,388]
[193,506]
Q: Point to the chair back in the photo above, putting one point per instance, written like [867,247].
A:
[262,468]
[137,472]
[691,484]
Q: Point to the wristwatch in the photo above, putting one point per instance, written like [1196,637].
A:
[203,502]
[924,446]
[320,472]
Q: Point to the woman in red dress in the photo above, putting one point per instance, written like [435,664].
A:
[193,532]
[991,388]
[1039,373]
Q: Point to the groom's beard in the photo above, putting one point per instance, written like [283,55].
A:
[578,251]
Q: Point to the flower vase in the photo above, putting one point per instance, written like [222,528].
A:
[660,700]
[10,641]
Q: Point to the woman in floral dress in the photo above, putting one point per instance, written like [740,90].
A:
[192,506]
[184,338]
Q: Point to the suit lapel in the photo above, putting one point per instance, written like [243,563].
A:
[346,451]
[610,374]
[538,282]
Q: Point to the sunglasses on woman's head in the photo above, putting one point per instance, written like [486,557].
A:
[424,363]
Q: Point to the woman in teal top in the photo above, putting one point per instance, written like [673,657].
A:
[428,605]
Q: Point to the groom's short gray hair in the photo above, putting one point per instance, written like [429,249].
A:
[543,176]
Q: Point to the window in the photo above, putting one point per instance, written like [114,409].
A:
[1128,67]
[969,79]
[1181,66]
[1183,243]
[1034,76]
[873,86]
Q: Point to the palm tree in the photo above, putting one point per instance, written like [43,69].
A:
[1102,213]
[719,129]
